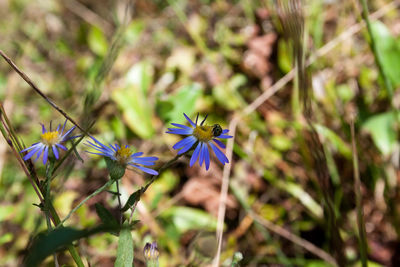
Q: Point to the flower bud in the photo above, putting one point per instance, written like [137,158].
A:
[115,169]
[151,252]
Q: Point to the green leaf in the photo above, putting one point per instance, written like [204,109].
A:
[381,128]
[105,215]
[285,55]
[133,100]
[184,101]
[97,41]
[335,140]
[48,243]
[131,200]
[185,218]
[389,51]
[125,249]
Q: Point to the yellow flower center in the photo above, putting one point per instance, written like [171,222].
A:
[50,138]
[203,133]
[123,155]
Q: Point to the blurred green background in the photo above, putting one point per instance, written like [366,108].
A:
[134,71]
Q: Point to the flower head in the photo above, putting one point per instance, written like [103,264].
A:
[203,138]
[123,156]
[49,139]
[150,251]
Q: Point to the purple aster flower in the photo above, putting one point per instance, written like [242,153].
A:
[123,155]
[202,138]
[49,139]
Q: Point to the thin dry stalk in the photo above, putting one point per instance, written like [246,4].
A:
[37,90]
[362,235]
[88,15]
[224,190]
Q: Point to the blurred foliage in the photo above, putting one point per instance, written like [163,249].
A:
[206,57]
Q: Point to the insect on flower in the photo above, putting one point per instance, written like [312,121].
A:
[202,137]
[49,139]
[123,155]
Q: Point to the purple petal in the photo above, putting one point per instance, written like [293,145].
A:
[221,156]
[62,147]
[32,152]
[43,129]
[201,154]
[201,123]
[146,161]
[206,156]
[137,154]
[99,143]
[38,154]
[180,131]
[29,148]
[184,142]
[225,131]
[221,145]
[224,136]
[55,151]
[181,126]
[63,128]
[147,170]
[147,158]
[45,155]
[195,155]
[100,154]
[189,120]
[65,136]
[188,145]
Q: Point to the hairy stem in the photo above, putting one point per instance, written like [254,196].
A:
[119,203]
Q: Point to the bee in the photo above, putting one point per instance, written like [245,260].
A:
[216,130]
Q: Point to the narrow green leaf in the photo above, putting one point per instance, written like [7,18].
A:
[125,249]
[105,215]
[335,140]
[131,200]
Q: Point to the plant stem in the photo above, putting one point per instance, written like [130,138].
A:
[49,168]
[153,178]
[360,216]
[119,203]
[162,168]
[95,193]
